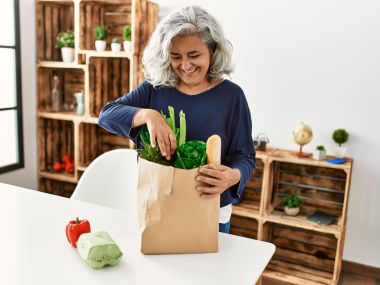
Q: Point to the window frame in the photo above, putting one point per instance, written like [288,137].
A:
[18,107]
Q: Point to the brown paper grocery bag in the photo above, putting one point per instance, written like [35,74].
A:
[173,217]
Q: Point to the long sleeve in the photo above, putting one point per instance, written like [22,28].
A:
[117,116]
[241,153]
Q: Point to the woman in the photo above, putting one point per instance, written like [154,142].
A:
[185,63]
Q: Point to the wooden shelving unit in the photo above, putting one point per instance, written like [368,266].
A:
[101,76]
[306,252]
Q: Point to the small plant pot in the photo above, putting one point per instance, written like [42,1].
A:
[116,47]
[100,45]
[67,54]
[127,46]
[319,154]
[291,211]
[340,151]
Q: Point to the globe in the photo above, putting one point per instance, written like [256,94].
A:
[302,134]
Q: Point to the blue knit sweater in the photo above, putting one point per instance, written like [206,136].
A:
[222,110]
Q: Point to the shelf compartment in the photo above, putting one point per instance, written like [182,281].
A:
[52,17]
[243,226]
[112,14]
[302,256]
[56,138]
[320,188]
[94,140]
[71,81]
[109,79]
[301,221]
[56,187]
[251,198]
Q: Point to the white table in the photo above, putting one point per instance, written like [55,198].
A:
[34,248]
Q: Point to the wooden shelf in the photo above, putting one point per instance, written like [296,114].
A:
[301,221]
[58,176]
[107,54]
[56,187]
[81,168]
[291,157]
[246,210]
[302,256]
[68,116]
[296,274]
[56,1]
[60,64]
[100,76]
[306,252]
[104,1]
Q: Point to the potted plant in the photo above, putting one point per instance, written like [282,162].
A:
[65,41]
[115,45]
[340,137]
[319,153]
[100,33]
[127,36]
[292,204]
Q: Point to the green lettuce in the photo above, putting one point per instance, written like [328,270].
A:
[189,154]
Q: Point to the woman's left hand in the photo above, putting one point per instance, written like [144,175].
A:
[215,179]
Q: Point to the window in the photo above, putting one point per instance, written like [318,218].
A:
[11,136]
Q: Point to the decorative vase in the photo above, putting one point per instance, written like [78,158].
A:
[340,151]
[127,46]
[79,97]
[115,47]
[291,211]
[56,96]
[67,54]
[100,45]
[319,154]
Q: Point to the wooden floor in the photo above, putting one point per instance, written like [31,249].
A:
[352,274]
[346,278]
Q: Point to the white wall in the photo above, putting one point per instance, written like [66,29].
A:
[27,177]
[297,60]
[316,61]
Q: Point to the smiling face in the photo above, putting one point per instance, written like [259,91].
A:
[190,60]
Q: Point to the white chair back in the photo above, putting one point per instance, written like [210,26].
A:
[111,181]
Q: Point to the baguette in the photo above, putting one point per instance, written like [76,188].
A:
[214,149]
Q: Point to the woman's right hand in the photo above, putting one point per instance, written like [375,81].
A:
[158,130]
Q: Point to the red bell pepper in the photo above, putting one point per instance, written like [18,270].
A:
[57,166]
[75,228]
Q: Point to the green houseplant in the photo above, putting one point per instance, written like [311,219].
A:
[115,45]
[65,41]
[100,33]
[127,36]
[340,137]
[319,153]
[292,204]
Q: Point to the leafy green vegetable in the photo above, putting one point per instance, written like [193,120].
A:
[148,152]
[182,129]
[189,154]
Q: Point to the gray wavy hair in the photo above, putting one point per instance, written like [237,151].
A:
[185,21]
